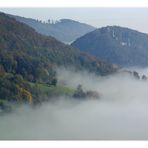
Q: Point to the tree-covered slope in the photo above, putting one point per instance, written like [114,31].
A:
[117,45]
[27,56]
[65,30]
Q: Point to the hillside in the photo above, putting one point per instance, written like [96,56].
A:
[117,45]
[65,30]
[27,56]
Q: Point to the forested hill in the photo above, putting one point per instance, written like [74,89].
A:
[65,30]
[27,56]
[30,53]
[118,45]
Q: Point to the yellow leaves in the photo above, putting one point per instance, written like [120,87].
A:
[26,95]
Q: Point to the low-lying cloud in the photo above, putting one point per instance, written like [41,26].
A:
[121,112]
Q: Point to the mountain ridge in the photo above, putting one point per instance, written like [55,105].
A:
[59,29]
[115,44]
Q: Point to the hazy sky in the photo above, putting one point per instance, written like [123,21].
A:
[136,18]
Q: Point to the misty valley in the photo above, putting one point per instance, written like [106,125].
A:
[119,112]
[67,80]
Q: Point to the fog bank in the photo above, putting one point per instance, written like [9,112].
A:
[121,112]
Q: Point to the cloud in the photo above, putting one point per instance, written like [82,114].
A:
[120,113]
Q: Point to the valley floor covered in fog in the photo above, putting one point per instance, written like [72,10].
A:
[121,112]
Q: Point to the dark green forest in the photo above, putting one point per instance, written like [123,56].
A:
[29,59]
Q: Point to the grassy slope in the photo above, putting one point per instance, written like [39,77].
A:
[58,90]
[44,90]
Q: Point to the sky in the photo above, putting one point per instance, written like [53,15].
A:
[134,18]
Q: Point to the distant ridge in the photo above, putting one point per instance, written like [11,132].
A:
[118,45]
[65,30]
